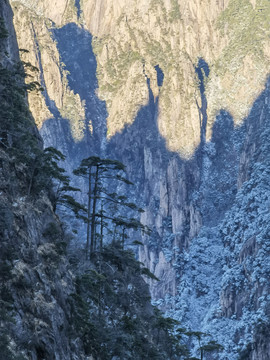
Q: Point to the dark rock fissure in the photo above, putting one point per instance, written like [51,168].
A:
[160,75]
[78,6]
[202,71]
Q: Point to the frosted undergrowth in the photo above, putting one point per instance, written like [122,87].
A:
[224,285]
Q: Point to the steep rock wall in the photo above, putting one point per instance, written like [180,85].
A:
[231,36]
[35,278]
[181,130]
[223,285]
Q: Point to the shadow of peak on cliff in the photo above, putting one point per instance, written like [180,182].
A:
[76,53]
[79,61]
[78,64]
[202,70]
[144,150]
[74,44]
[224,127]
[56,132]
[144,133]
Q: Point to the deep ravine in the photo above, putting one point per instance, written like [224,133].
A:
[201,176]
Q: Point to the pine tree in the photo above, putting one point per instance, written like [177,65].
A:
[99,172]
[113,315]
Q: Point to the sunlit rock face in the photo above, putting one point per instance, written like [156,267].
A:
[132,38]
[178,92]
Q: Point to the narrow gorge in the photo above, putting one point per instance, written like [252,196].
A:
[179,92]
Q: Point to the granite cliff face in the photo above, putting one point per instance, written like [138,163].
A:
[178,92]
[55,303]
[35,278]
[132,39]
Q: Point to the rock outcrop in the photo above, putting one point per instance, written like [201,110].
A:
[35,277]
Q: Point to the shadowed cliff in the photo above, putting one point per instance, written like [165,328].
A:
[188,203]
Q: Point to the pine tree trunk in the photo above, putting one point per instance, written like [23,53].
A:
[88,215]
[93,220]
[101,229]
[123,238]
